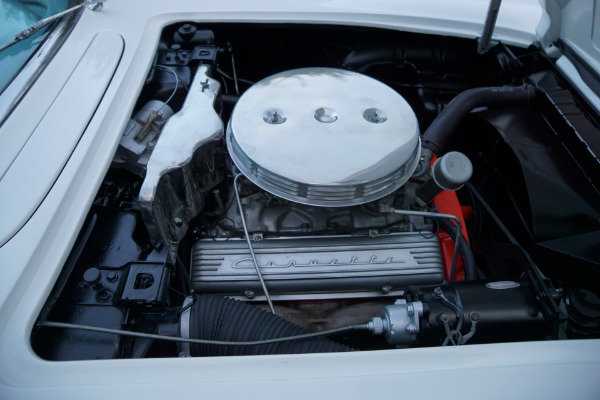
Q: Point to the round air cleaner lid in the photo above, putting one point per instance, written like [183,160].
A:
[324,137]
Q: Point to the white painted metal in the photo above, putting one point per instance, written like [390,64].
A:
[31,261]
[36,166]
[580,29]
[571,73]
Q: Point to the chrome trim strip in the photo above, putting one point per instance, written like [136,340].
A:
[19,86]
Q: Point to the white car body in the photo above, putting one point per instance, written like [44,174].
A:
[60,140]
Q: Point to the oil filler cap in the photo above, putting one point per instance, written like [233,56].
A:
[452,170]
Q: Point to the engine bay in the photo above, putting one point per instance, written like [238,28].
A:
[287,189]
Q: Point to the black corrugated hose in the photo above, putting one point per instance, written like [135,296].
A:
[225,319]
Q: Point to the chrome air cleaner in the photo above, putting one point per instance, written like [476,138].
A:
[324,137]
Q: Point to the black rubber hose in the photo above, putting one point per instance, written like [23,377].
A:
[463,247]
[225,319]
[441,129]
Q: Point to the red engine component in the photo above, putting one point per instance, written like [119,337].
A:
[446,202]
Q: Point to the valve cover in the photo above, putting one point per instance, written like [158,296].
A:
[297,265]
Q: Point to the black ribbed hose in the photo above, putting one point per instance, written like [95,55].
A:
[225,319]
[441,129]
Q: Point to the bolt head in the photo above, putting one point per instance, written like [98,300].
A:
[374,116]
[274,117]
[91,275]
[104,295]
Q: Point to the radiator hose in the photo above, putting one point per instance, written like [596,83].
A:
[441,129]
[225,319]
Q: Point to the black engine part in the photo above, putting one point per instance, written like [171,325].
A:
[222,318]
[505,311]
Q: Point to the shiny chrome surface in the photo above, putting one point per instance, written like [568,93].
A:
[324,137]
[184,164]
[318,264]
[15,90]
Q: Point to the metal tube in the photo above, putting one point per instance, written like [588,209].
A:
[262,282]
[65,325]
[488,28]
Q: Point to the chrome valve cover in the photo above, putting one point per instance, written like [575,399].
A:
[326,265]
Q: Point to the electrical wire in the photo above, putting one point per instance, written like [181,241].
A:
[53,324]
[471,333]
[491,166]
[440,215]
[477,217]
[226,75]
[235,79]
[172,71]
[420,232]
[450,334]
[222,75]
[454,333]
[457,300]
[458,310]
[470,267]
[183,272]
[492,214]
[239,203]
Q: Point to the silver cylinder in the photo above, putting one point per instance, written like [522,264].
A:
[324,137]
